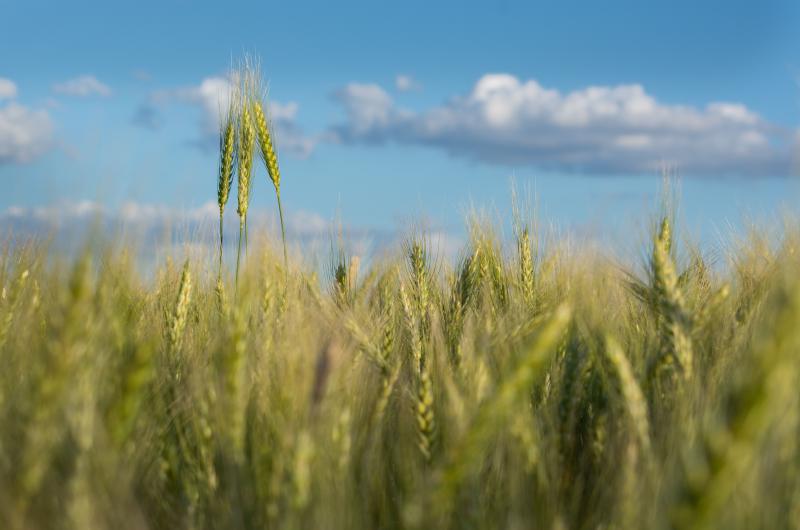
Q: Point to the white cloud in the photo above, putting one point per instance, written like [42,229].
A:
[619,129]
[143,213]
[369,109]
[406,83]
[299,223]
[74,215]
[59,213]
[213,95]
[24,133]
[289,136]
[305,223]
[8,90]
[83,86]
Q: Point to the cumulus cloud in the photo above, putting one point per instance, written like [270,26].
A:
[600,129]
[83,86]
[8,89]
[25,133]
[406,83]
[212,96]
[371,113]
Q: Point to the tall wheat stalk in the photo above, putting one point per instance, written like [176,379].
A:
[270,159]
[246,146]
[177,322]
[674,320]
[526,266]
[227,153]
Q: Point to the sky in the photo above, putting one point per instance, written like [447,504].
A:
[385,112]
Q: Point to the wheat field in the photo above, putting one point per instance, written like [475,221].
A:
[528,384]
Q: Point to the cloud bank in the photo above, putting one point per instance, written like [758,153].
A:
[69,224]
[598,129]
[198,221]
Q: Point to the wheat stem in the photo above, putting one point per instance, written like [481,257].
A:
[283,232]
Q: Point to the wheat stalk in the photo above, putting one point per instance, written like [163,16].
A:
[675,323]
[245,151]
[234,389]
[418,273]
[426,421]
[526,267]
[270,159]
[632,395]
[423,408]
[180,311]
[227,153]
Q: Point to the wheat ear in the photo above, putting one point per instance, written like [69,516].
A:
[270,159]
[245,151]
[675,323]
[181,309]
[526,266]
[227,148]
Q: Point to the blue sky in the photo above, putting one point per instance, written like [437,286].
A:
[388,110]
